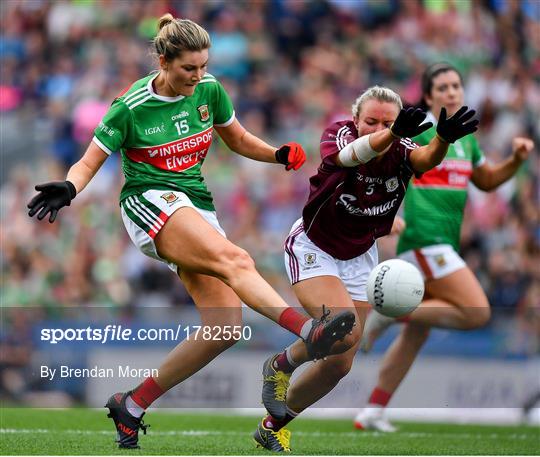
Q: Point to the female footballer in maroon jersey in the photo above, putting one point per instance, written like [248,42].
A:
[366,166]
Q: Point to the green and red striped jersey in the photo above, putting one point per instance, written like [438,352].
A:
[164,140]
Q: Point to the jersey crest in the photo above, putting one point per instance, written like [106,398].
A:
[392,184]
[203,112]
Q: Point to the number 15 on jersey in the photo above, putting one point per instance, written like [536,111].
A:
[182,127]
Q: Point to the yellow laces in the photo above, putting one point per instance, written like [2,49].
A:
[284,438]
[282,380]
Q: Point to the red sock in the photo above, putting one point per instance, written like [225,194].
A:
[293,321]
[276,425]
[146,393]
[379,397]
[404,319]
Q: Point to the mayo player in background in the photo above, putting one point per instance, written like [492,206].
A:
[366,166]
[434,206]
[163,124]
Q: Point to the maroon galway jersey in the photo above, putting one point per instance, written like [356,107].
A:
[349,208]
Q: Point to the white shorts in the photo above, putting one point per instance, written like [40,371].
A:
[304,260]
[145,215]
[435,261]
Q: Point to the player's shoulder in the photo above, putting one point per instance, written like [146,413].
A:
[208,83]
[138,87]
[346,124]
[339,129]
[209,79]
[135,94]
[209,86]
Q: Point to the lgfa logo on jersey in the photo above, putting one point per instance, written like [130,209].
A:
[204,113]
[391,184]
[156,129]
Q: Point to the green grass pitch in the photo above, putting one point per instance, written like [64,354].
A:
[26,431]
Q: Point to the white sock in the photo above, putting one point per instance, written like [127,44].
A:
[375,409]
[288,354]
[133,408]
[306,328]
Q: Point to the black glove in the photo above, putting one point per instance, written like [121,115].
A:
[52,196]
[408,123]
[456,127]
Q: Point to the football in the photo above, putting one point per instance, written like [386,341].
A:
[395,288]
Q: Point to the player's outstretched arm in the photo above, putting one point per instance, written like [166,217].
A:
[239,140]
[53,196]
[488,177]
[363,149]
[449,130]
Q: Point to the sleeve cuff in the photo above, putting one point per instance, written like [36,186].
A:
[105,149]
[229,122]
[481,162]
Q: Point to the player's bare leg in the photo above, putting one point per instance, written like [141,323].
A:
[460,303]
[322,376]
[329,291]
[401,355]
[218,305]
[335,339]
[394,367]
[456,301]
[468,301]
[313,384]
[217,274]
[189,241]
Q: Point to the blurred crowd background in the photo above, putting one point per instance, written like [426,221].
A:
[291,67]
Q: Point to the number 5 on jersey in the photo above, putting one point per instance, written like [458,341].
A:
[182,127]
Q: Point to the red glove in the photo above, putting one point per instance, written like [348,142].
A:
[291,155]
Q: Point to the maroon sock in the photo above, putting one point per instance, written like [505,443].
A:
[281,363]
[293,321]
[276,425]
[146,393]
[404,319]
[379,397]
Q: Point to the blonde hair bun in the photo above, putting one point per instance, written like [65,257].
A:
[164,20]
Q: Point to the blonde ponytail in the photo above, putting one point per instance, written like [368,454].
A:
[177,35]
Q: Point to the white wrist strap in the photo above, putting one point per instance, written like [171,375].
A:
[357,152]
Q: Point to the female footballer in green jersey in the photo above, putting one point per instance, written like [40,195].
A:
[434,207]
[162,125]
